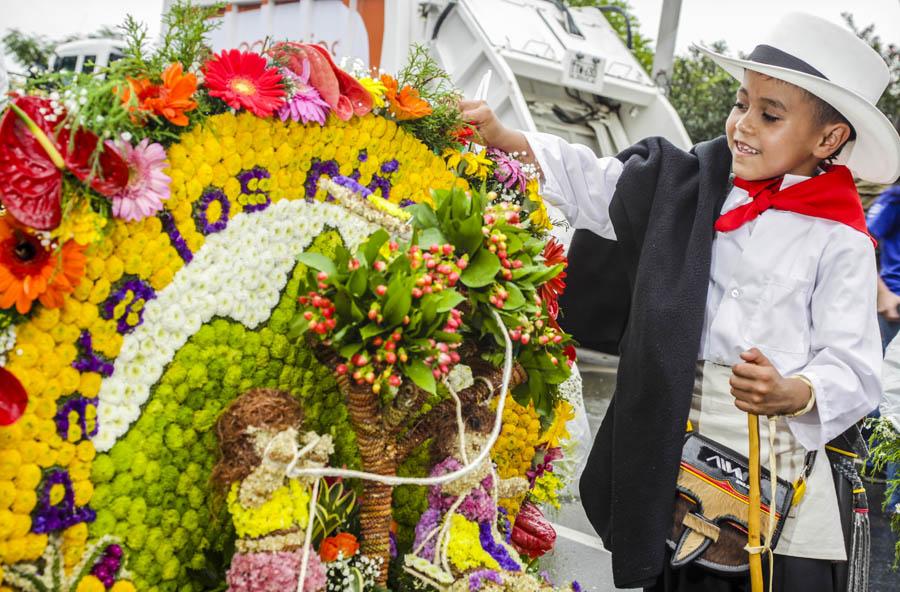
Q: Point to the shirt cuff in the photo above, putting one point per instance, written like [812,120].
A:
[540,143]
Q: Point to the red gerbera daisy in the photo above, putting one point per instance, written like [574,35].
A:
[554,253]
[245,80]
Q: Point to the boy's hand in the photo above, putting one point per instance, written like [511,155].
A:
[491,131]
[757,387]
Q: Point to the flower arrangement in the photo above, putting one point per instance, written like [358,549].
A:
[148,252]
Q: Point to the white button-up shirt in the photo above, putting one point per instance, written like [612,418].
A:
[799,288]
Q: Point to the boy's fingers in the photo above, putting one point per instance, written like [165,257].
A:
[754,356]
[468,105]
[742,384]
[749,371]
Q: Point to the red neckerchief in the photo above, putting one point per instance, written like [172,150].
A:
[831,195]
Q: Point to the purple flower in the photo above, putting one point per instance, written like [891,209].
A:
[319,168]
[78,405]
[201,209]
[88,360]
[508,170]
[245,177]
[496,550]
[576,587]
[428,522]
[352,184]
[390,166]
[379,182]
[52,518]
[305,104]
[478,506]
[141,292]
[175,237]
[478,578]
[363,155]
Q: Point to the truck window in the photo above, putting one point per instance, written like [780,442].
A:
[66,63]
[90,61]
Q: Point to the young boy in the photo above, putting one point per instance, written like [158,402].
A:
[763,291]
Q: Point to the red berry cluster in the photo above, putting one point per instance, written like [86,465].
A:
[322,320]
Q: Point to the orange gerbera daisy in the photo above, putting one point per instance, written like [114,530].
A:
[29,272]
[171,99]
[405,104]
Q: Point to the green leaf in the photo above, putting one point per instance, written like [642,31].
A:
[374,244]
[398,301]
[317,261]
[481,270]
[515,300]
[448,299]
[423,216]
[350,349]
[548,273]
[421,374]
[429,307]
[358,281]
[469,237]
[297,327]
[371,330]
[431,236]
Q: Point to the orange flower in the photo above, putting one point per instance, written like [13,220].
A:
[344,544]
[29,272]
[405,104]
[171,99]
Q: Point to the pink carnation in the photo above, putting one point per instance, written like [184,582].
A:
[147,185]
[274,572]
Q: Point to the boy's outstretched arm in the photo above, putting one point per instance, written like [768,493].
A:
[575,180]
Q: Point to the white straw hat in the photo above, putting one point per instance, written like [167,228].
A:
[832,63]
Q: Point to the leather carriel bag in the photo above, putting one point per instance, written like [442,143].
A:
[711,503]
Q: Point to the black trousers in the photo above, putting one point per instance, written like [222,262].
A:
[791,574]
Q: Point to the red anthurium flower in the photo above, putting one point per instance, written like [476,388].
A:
[245,80]
[532,533]
[33,157]
[13,398]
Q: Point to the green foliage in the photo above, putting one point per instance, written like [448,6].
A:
[31,51]
[641,46]
[410,501]
[490,235]
[890,52]
[885,448]
[702,93]
[434,85]
[333,509]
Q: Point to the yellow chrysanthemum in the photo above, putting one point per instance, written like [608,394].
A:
[563,412]
[376,88]
[539,218]
[82,224]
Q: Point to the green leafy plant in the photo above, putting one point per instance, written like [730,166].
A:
[334,506]
[437,130]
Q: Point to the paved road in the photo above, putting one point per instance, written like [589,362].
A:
[579,554]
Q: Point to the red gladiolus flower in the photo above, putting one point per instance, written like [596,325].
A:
[551,290]
[13,398]
[245,80]
[33,157]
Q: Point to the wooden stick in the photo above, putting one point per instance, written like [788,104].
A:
[754,511]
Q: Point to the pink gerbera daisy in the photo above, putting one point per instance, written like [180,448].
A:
[306,103]
[147,185]
[245,80]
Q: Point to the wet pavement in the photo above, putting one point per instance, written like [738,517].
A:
[579,553]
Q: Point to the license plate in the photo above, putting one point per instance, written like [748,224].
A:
[584,69]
